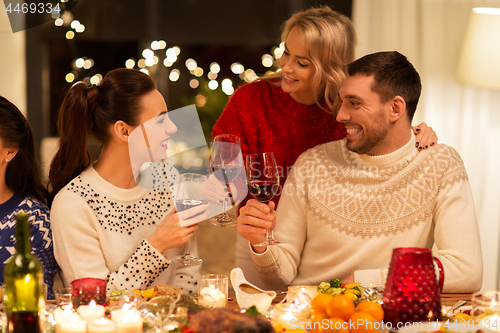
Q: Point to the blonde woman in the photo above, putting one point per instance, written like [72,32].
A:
[293,110]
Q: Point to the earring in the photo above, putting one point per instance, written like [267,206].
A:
[7,160]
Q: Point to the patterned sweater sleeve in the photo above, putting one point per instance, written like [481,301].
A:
[77,248]
[456,233]
[140,271]
[42,245]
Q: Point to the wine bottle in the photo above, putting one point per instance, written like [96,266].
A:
[23,279]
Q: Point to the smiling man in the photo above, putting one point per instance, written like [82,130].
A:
[347,204]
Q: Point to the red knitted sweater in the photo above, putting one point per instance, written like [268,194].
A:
[267,119]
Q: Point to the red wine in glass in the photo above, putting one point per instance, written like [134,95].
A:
[263,183]
[262,190]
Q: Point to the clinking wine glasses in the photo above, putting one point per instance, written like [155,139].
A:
[189,194]
[263,183]
[226,162]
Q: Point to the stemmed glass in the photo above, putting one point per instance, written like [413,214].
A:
[263,183]
[189,194]
[226,162]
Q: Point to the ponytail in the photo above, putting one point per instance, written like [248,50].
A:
[74,125]
[92,111]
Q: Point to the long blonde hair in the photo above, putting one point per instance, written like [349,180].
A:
[329,39]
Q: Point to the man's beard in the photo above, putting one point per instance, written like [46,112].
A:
[377,133]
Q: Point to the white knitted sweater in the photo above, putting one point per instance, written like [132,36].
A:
[342,212]
[100,231]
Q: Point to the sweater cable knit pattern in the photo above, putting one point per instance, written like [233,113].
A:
[387,200]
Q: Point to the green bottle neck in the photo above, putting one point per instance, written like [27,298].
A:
[23,243]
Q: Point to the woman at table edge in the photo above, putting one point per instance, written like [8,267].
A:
[104,224]
[21,188]
[290,111]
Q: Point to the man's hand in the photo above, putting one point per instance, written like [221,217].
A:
[254,220]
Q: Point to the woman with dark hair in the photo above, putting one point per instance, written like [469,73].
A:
[104,224]
[21,188]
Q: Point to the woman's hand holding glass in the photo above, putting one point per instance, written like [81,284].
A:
[254,220]
[169,233]
[215,192]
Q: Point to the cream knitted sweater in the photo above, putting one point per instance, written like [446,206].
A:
[100,231]
[342,213]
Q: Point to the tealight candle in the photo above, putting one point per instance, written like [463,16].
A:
[211,297]
[101,325]
[129,323]
[91,311]
[61,315]
[118,314]
[286,317]
[212,290]
[73,325]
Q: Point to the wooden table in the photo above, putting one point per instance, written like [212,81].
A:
[450,299]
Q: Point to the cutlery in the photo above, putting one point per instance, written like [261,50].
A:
[455,306]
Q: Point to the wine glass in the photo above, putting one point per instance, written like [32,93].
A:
[226,162]
[263,183]
[189,194]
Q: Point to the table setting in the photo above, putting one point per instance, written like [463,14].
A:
[252,309]
[411,302]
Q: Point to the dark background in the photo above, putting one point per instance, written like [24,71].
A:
[223,31]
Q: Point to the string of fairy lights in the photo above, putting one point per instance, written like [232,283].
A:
[157,54]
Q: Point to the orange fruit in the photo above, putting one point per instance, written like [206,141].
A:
[362,322]
[341,306]
[320,303]
[336,325]
[316,322]
[373,308]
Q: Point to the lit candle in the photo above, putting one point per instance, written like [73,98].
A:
[91,311]
[61,315]
[73,325]
[101,325]
[287,316]
[120,313]
[131,322]
[212,297]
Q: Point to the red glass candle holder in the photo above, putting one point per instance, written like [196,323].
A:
[412,292]
[88,289]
